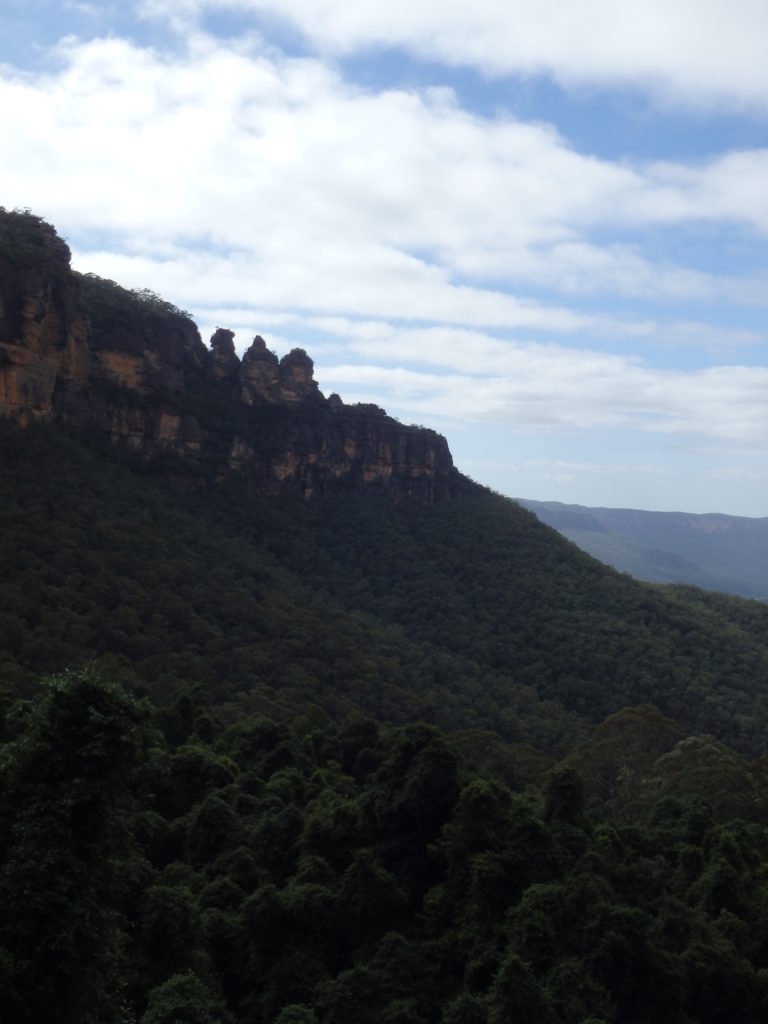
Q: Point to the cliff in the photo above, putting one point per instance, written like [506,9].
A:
[130,367]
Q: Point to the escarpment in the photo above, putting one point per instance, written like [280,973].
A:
[130,367]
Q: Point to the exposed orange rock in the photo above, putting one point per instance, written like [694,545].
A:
[132,368]
[260,374]
[123,369]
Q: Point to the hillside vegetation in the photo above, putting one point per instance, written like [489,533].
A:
[467,613]
[348,760]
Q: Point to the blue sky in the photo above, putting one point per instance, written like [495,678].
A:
[539,228]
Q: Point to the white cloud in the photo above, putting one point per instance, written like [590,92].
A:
[309,192]
[580,267]
[695,52]
[465,375]
[728,187]
[365,280]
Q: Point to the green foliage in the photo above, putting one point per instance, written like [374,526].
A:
[468,614]
[297,1013]
[184,999]
[317,895]
[28,242]
[394,763]
[64,847]
[618,758]
[564,796]
[111,305]
[516,995]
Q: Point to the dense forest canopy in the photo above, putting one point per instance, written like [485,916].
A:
[350,760]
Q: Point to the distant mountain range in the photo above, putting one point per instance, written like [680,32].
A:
[716,552]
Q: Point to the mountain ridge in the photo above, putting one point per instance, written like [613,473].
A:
[130,367]
[712,550]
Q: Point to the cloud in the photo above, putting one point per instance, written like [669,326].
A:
[240,180]
[579,267]
[692,52]
[273,180]
[468,376]
[366,280]
[729,187]
[458,268]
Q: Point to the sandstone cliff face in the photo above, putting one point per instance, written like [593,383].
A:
[43,332]
[132,368]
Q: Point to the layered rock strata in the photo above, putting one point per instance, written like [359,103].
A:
[132,368]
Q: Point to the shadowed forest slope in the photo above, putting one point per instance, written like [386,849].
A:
[465,613]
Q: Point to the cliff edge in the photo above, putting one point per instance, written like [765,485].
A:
[131,367]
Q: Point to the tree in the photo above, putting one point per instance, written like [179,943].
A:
[617,759]
[184,999]
[516,996]
[64,846]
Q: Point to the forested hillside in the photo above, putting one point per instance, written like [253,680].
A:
[349,760]
[715,552]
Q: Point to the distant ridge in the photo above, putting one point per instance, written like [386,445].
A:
[713,551]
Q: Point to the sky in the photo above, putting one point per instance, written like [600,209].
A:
[538,227]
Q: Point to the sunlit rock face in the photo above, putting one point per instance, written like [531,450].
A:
[130,368]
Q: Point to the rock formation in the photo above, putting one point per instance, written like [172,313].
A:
[132,368]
